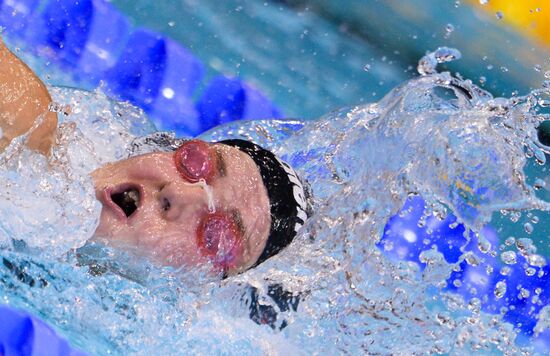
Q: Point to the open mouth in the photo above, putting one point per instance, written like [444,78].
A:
[127,199]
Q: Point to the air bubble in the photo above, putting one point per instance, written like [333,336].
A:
[483,2]
[547,74]
[366,67]
[537,67]
[510,241]
[499,15]
[528,228]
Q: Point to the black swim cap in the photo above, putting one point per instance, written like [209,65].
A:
[287,196]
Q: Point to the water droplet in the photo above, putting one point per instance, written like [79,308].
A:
[538,290]
[544,103]
[515,216]
[499,15]
[427,64]
[535,219]
[510,241]
[449,29]
[523,293]
[528,228]
[537,67]
[525,246]
[482,80]
[474,305]
[505,271]
[508,257]
[539,184]
[503,69]
[172,23]
[500,289]
[483,2]
[547,74]
[472,259]
[483,245]
[530,271]
[446,54]
[536,260]
[490,67]
[546,84]
[366,67]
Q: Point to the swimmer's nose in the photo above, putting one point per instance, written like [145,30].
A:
[176,200]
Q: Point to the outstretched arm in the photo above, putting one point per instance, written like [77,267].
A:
[23,100]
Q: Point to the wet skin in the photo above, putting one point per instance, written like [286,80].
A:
[171,211]
[172,216]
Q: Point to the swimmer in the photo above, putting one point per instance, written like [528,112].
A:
[231,203]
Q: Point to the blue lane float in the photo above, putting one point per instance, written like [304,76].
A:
[229,99]
[95,42]
[17,15]
[22,334]
[159,76]
[61,30]
[516,290]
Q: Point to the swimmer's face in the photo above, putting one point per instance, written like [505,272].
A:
[216,211]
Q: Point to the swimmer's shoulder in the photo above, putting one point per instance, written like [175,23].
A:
[24,105]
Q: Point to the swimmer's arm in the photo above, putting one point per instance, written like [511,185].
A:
[23,100]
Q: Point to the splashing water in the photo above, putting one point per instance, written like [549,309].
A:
[465,152]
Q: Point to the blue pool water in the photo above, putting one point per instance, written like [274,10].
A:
[422,283]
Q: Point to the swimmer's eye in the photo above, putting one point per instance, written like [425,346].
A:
[195,160]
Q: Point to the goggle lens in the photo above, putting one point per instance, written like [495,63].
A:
[195,160]
[219,239]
